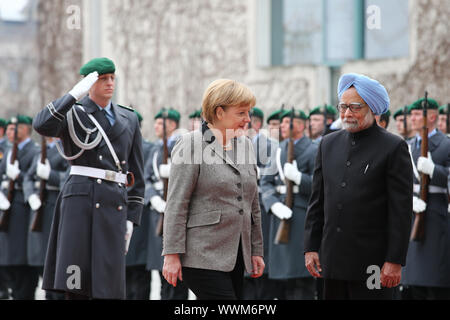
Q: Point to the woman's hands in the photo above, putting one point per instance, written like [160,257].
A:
[172,268]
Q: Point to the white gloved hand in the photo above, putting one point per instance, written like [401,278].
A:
[5,184]
[281,211]
[82,87]
[128,235]
[419,205]
[34,202]
[4,202]
[291,172]
[43,170]
[158,204]
[258,173]
[426,165]
[164,170]
[448,208]
[12,170]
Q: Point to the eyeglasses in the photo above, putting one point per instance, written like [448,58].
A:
[354,107]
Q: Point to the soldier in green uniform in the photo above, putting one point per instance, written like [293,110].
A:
[399,116]
[317,122]
[273,124]
[442,122]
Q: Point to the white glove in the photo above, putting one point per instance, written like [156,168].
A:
[158,204]
[12,170]
[43,170]
[164,170]
[448,208]
[128,235]
[34,202]
[291,172]
[281,211]
[82,87]
[419,205]
[258,173]
[426,165]
[4,202]
[5,184]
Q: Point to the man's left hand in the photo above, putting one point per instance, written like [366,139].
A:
[391,274]
[258,266]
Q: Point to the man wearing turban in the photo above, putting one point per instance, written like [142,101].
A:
[359,215]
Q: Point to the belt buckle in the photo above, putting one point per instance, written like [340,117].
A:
[110,175]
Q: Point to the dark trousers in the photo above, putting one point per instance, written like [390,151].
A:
[354,290]
[4,291]
[262,288]
[169,292]
[300,289]
[22,280]
[426,293]
[138,282]
[216,285]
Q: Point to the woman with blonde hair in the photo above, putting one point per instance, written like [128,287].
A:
[212,222]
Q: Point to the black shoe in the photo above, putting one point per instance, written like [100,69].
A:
[4,294]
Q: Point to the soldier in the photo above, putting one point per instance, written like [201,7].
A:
[4,142]
[383,119]
[22,277]
[4,146]
[273,122]
[427,271]
[285,260]
[317,121]
[442,122]
[155,172]
[54,172]
[261,288]
[137,276]
[196,120]
[95,212]
[399,117]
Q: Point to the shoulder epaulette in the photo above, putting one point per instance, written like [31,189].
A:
[125,107]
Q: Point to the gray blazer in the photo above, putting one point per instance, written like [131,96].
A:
[211,206]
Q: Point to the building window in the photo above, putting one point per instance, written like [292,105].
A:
[332,32]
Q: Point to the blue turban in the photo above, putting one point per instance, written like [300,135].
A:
[371,91]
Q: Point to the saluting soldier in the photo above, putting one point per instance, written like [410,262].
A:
[137,276]
[99,203]
[22,277]
[317,121]
[285,260]
[54,172]
[427,271]
[155,172]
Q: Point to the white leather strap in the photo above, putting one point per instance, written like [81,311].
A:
[99,174]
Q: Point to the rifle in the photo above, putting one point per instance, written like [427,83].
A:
[284,227]
[5,215]
[448,118]
[418,229]
[325,115]
[159,226]
[36,225]
[280,137]
[405,123]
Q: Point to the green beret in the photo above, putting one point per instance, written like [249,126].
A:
[3,123]
[417,105]
[298,114]
[138,115]
[331,111]
[274,115]
[169,114]
[20,119]
[443,109]
[257,112]
[101,65]
[196,114]
[387,113]
[401,112]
